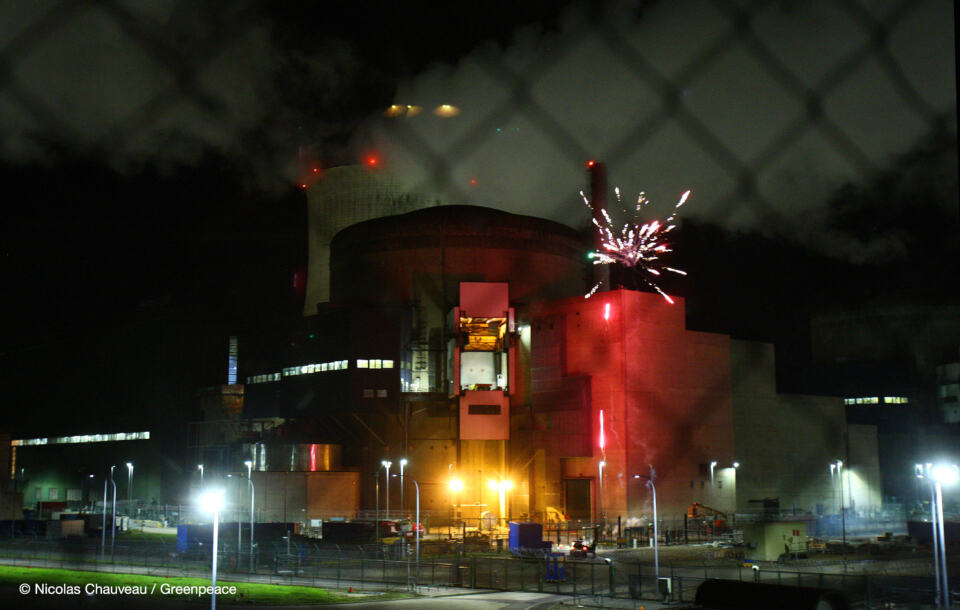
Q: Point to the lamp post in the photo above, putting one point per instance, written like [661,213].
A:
[249,465]
[386,465]
[403,462]
[924,473]
[456,486]
[200,468]
[416,577]
[212,501]
[943,475]
[502,486]
[113,518]
[129,487]
[600,466]
[103,529]
[656,550]
[843,515]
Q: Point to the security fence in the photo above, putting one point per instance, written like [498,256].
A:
[398,567]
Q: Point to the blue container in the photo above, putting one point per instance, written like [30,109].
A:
[556,567]
[526,538]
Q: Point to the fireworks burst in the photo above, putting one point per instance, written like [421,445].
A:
[634,245]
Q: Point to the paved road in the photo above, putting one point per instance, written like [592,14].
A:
[497,600]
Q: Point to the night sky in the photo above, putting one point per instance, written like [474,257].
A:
[152,153]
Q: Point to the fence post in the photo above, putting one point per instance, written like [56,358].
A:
[613,582]
[866,582]
[593,584]
[473,573]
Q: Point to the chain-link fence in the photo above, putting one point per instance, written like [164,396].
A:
[398,567]
[871,44]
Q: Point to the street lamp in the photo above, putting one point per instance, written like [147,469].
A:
[249,465]
[403,462]
[456,486]
[502,486]
[713,465]
[113,518]
[943,475]
[416,577]
[386,464]
[843,514]
[200,468]
[600,518]
[653,489]
[129,486]
[212,501]
[924,473]
[103,529]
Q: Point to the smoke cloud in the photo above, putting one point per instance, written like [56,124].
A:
[794,100]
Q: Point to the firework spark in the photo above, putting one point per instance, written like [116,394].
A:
[634,245]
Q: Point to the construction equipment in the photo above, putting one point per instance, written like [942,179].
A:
[711,520]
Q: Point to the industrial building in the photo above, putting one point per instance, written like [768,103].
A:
[458,339]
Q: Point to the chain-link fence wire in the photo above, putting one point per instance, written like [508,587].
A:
[516,94]
[398,567]
[515,89]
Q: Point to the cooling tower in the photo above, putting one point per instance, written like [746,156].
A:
[343,197]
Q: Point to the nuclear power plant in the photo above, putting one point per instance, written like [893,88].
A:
[453,345]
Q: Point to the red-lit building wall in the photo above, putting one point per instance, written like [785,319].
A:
[665,393]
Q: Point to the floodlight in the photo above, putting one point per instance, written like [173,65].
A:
[945,475]
[211,501]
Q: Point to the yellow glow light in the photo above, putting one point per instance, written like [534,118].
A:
[446,111]
[456,485]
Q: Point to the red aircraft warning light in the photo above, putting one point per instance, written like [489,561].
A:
[372,161]
[591,163]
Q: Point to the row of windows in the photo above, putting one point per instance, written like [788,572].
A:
[264,378]
[874,400]
[374,364]
[321,367]
[84,438]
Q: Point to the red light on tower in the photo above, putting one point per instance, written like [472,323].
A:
[603,438]
[591,163]
[372,161]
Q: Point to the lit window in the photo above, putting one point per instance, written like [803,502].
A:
[324,366]
[381,393]
[343,364]
[363,364]
[307,368]
[84,438]
[375,364]
[368,393]
[859,401]
[388,364]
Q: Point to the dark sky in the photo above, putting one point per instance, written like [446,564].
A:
[151,157]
